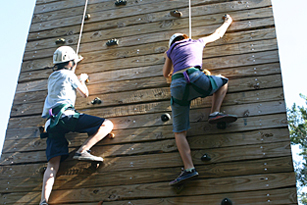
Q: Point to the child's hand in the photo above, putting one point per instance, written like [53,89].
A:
[83,77]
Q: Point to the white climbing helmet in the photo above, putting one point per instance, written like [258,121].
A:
[65,54]
[175,35]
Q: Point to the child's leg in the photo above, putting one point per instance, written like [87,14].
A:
[49,177]
[184,149]
[103,131]
[218,98]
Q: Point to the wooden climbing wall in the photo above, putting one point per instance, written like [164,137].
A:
[251,161]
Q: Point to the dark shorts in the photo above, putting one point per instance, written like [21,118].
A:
[180,114]
[58,145]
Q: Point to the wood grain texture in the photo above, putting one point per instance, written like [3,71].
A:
[251,161]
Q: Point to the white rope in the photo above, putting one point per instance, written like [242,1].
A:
[190,20]
[82,24]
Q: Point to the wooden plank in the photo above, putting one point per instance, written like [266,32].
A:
[34,108]
[276,196]
[37,97]
[198,29]
[235,85]
[165,132]
[34,143]
[86,178]
[142,9]
[241,25]
[158,190]
[136,154]
[156,48]
[154,115]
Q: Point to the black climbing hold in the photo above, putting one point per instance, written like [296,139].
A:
[120,2]
[113,41]
[176,13]
[205,158]
[226,201]
[221,125]
[165,117]
[96,101]
[60,41]
[87,17]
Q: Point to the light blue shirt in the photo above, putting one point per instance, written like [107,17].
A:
[62,87]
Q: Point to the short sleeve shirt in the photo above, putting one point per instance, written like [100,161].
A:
[186,53]
[62,87]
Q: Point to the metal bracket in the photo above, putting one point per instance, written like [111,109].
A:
[120,2]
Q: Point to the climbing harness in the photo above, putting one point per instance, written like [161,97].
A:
[184,101]
[54,119]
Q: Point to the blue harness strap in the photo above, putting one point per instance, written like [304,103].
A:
[184,101]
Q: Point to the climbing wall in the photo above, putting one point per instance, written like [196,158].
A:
[250,162]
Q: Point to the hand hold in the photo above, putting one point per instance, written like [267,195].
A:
[120,2]
[165,117]
[113,41]
[96,101]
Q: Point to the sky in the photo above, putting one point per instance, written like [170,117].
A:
[291,30]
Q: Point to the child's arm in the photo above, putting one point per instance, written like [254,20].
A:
[219,33]
[83,88]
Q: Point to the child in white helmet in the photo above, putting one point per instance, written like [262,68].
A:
[63,85]
[189,82]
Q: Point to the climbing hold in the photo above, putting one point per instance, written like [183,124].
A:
[113,41]
[165,117]
[221,125]
[176,13]
[205,158]
[96,101]
[87,17]
[120,2]
[111,135]
[60,41]
[226,201]
[42,170]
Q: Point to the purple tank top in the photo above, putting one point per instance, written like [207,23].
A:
[186,53]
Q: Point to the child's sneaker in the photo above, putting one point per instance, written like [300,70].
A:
[184,175]
[86,156]
[217,117]
[43,203]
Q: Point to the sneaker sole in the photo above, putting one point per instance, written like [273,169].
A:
[184,180]
[227,119]
[87,159]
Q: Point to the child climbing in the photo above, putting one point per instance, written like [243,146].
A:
[189,82]
[62,117]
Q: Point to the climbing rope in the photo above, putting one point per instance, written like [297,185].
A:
[82,24]
[81,30]
[190,19]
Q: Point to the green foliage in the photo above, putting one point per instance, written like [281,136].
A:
[297,119]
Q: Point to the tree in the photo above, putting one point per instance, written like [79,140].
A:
[297,119]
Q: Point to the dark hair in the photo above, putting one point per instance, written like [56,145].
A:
[179,38]
[60,66]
